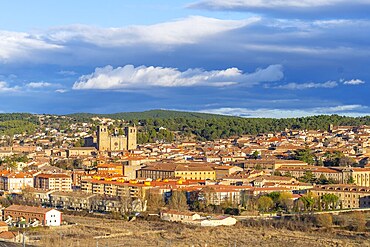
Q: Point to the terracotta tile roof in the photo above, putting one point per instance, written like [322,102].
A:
[187,213]
[8,235]
[27,209]
[18,175]
[53,175]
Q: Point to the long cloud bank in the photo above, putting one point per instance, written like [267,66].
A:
[347,110]
[299,8]
[129,76]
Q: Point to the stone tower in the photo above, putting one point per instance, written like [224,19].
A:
[103,138]
[331,128]
[131,135]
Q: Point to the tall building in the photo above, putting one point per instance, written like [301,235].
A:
[131,135]
[115,141]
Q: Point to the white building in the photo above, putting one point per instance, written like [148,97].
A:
[173,215]
[14,182]
[219,221]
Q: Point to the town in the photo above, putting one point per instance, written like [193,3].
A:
[98,167]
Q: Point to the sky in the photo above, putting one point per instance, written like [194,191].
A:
[250,58]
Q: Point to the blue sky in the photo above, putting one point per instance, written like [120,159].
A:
[253,58]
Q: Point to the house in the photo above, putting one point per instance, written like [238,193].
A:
[14,182]
[110,169]
[32,216]
[81,151]
[223,171]
[12,236]
[173,215]
[261,181]
[3,226]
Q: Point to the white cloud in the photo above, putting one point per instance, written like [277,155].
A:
[142,76]
[61,91]
[67,72]
[272,4]
[39,84]
[354,82]
[4,87]
[348,110]
[61,40]
[309,85]
[183,31]
[341,108]
[307,50]
[15,45]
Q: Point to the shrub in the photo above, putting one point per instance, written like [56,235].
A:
[324,220]
[232,211]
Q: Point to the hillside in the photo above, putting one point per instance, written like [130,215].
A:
[209,126]
[17,123]
[192,125]
[161,114]
[104,232]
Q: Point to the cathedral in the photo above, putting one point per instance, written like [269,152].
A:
[115,141]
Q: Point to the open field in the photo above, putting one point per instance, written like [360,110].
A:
[103,232]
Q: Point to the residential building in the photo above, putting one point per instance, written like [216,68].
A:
[54,181]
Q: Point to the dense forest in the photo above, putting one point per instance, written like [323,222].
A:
[210,126]
[17,123]
[223,127]
[19,116]
[166,125]
[12,127]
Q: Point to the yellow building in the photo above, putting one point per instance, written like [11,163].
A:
[350,196]
[187,171]
[361,176]
[110,169]
[195,172]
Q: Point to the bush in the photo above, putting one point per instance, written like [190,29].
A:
[232,211]
[293,224]
[359,222]
[324,220]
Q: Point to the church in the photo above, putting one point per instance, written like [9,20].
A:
[113,142]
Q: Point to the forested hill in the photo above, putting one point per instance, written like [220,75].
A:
[201,126]
[161,114]
[17,123]
[209,126]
